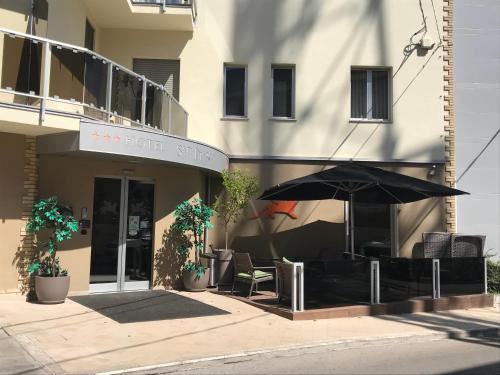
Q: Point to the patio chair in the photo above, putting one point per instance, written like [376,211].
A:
[284,274]
[245,272]
[436,244]
[463,245]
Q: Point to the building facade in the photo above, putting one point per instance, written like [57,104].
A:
[477,94]
[123,109]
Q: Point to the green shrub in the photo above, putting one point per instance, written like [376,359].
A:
[493,276]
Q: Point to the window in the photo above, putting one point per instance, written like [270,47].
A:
[235,87]
[283,91]
[370,94]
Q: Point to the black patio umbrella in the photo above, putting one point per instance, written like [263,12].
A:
[357,182]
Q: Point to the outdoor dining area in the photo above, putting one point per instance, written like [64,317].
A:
[446,270]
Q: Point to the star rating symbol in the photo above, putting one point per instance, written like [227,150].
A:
[116,138]
[95,136]
[107,137]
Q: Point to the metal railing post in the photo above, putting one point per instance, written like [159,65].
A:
[485,262]
[45,81]
[436,279]
[109,83]
[374,282]
[143,102]
[169,114]
[298,287]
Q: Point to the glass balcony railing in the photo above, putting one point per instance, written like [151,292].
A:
[167,3]
[54,76]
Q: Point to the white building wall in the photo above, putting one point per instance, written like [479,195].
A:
[477,101]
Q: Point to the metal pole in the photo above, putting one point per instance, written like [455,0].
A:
[143,100]
[375,282]
[436,280]
[351,224]
[45,81]
[485,262]
[109,84]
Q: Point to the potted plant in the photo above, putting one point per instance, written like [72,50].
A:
[51,280]
[230,205]
[191,220]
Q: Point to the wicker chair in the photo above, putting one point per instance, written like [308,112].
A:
[284,274]
[463,245]
[436,244]
[245,272]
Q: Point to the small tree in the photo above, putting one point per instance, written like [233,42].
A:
[233,202]
[49,215]
[191,220]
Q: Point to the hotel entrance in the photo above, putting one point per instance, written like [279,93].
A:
[122,234]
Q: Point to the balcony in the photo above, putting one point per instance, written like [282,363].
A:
[57,83]
[173,15]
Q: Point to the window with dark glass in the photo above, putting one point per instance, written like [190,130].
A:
[370,94]
[283,91]
[235,91]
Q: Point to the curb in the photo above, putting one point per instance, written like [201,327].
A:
[349,343]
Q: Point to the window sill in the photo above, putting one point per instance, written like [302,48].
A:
[283,119]
[373,121]
[234,118]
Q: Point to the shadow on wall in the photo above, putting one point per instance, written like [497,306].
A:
[22,259]
[168,262]
[305,241]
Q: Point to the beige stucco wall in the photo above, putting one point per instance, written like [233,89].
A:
[11,193]
[320,224]
[323,39]
[72,180]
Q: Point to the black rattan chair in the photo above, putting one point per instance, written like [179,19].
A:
[436,244]
[465,245]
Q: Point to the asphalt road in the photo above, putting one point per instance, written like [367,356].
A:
[445,356]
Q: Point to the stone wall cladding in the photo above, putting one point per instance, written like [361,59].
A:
[449,112]
[30,194]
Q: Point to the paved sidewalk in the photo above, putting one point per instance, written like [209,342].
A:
[76,339]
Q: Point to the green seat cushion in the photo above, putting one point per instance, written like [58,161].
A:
[285,260]
[258,274]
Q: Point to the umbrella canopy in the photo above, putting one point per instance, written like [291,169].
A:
[357,182]
[367,184]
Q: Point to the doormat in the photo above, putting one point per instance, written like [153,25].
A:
[144,306]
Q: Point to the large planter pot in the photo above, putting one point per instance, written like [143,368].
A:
[51,289]
[224,269]
[193,283]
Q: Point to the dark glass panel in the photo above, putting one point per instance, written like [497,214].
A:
[105,230]
[461,275]
[235,91]
[21,65]
[67,72]
[139,231]
[358,94]
[402,278]
[380,94]
[282,92]
[126,95]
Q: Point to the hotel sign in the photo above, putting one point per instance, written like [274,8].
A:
[145,144]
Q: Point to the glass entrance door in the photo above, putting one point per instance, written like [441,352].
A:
[121,254]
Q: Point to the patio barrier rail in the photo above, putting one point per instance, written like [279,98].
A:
[53,76]
[463,276]
[403,278]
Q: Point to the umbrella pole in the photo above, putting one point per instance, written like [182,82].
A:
[351,223]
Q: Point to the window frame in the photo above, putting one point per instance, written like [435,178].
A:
[369,95]
[245,93]
[292,67]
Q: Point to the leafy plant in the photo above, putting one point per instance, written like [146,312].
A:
[56,218]
[493,268]
[233,202]
[191,220]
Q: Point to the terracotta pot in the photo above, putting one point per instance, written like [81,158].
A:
[51,289]
[193,283]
